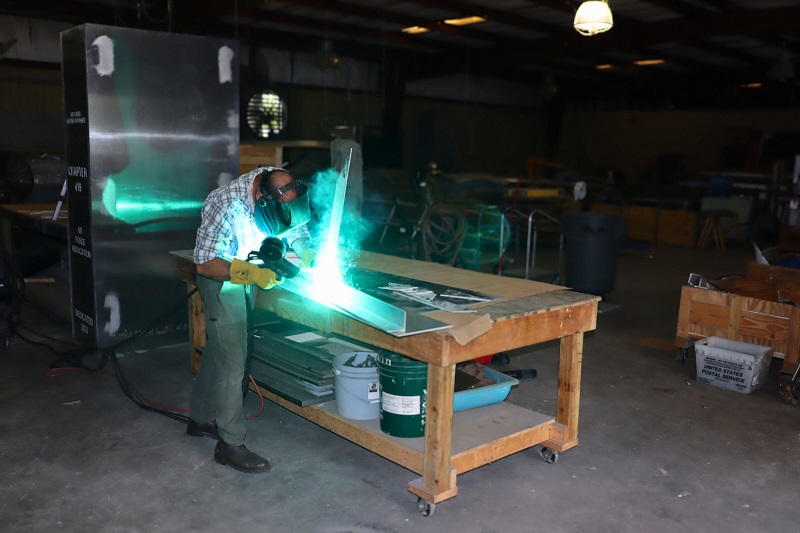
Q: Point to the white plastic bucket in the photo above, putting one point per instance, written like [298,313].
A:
[357,387]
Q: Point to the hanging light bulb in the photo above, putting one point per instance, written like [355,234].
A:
[327,58]
[593,17]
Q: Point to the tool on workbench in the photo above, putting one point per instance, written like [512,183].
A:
[272,254]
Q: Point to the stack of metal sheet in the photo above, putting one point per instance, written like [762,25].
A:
[298,365]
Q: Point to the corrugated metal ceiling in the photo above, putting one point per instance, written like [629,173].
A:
[705,43]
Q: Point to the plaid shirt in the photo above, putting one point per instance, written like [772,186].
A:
[228,229]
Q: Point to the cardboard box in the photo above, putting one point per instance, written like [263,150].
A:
[733,365]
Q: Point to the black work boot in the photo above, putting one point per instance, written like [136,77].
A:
[240,458]
[196,429]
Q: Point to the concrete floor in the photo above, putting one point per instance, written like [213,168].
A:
[658,451]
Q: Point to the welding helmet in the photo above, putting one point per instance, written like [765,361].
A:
[275,215]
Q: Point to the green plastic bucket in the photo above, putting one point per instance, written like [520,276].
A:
[404,395]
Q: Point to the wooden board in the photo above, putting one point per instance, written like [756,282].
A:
[253,156]
[479,436]
[772,273]
[552,312]
[762,289]
[515,323]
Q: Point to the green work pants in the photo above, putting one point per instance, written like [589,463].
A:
[217,392]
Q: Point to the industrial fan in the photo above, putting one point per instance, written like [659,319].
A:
[266,114]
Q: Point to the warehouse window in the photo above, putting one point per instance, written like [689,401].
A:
[266,114]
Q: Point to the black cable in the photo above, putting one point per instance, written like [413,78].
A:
[15,331]
[132,395]
[250,342]
[155,322]
[19,324]
[110,354]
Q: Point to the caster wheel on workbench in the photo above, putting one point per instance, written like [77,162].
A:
[682,353]
[425,507]
[501,359]
[549,456]
[788,396]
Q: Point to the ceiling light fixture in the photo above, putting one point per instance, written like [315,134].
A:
[464,21]
[415,29]
[648,62]
[593,17]
[605,66]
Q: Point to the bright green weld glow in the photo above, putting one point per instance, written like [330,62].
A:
[153,207]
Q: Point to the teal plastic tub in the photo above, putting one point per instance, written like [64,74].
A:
[486,395]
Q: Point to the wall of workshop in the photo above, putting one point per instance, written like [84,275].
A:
[458,136]
[593,143]
[313,111]
[468,137]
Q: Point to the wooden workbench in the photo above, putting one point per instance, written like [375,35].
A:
[453,444]
[33,217]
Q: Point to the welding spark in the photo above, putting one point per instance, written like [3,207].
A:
[325,280]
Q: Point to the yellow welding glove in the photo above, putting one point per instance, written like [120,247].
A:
[306,259]
[244,273]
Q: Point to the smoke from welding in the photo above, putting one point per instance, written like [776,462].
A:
[354,229]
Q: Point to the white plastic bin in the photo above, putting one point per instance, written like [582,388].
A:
[735,365]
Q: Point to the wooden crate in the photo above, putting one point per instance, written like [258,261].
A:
[252,156]
[773,274]
[642,222]
[651,224]
[706,313]
[600,207]
[678,228]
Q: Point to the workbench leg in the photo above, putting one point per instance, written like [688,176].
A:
[438,480]
[569,392]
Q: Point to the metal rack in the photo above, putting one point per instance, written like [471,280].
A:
[532,241]
[408,216]
[476,232]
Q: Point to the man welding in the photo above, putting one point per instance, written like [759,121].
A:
[236,218]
